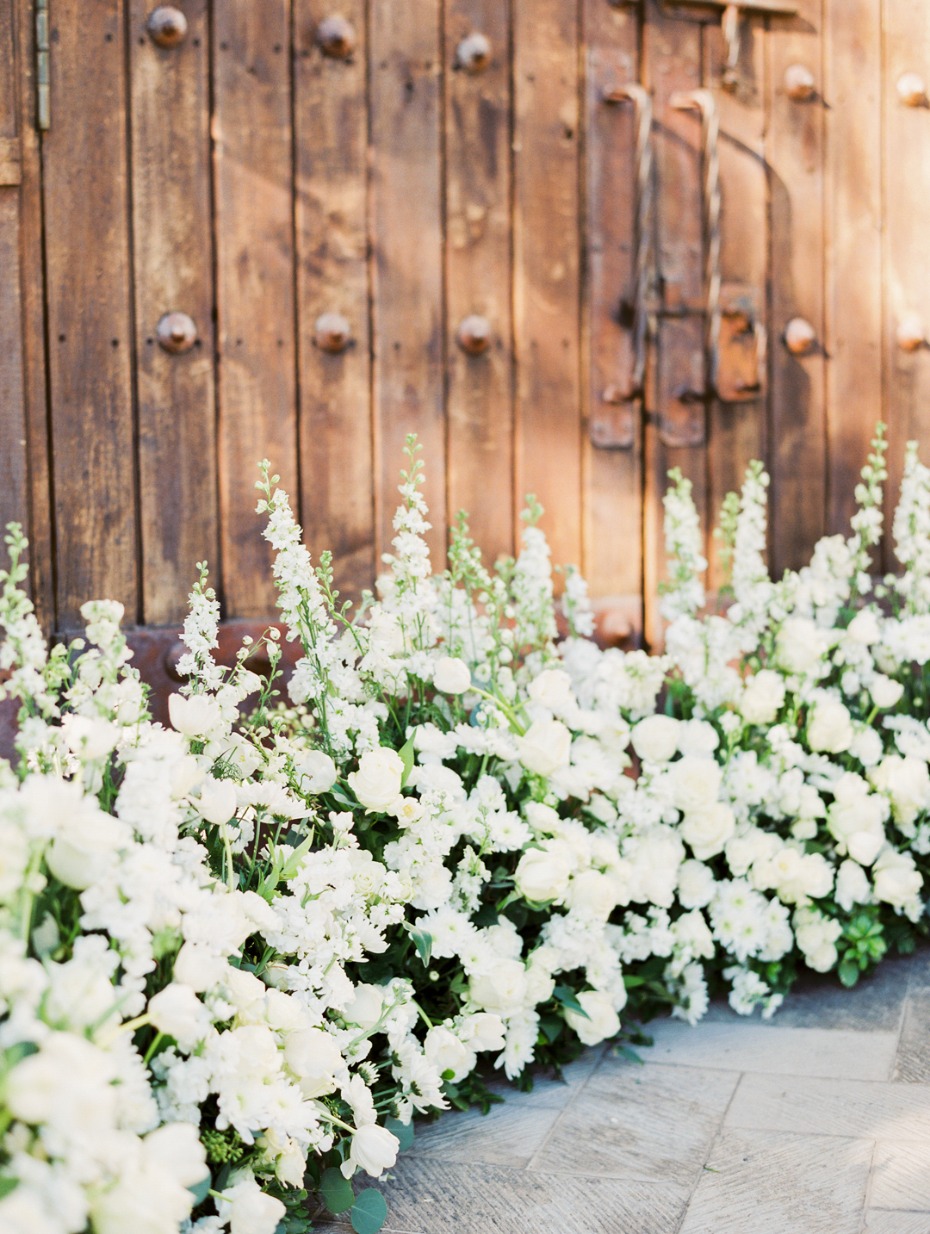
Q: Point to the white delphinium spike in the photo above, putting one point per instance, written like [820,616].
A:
[200,637]
[868,520]
[752,587]
[911,529]
[23,649]
[576,604]
[531,586]
[683,594]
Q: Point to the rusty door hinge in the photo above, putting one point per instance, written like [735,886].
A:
[43,87]
[732,16]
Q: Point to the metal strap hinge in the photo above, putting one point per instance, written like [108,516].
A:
[733,12]
[43,86]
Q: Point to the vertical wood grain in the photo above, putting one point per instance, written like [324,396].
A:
[13,482]
[613,500]
[672,63]
[547,203]
[852,87]
[173,261]
[255,281]
[737,430]
[906,26]
[478,274]
[795,150]
[409,347]
[86,178]
[331,191]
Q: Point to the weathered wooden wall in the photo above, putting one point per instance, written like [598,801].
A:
[251,181]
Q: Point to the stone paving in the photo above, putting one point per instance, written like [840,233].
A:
[817,1122]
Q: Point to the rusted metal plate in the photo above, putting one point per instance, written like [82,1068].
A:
[741,365]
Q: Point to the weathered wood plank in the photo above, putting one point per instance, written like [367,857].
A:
[41,555]
[613,562]
[331,137]
[737,429]
[13,485]
[795,150]
[85,184]
[173,263]
[906,30]
[672,63]
[478,273]
[852,87]
[547,202]
[255,281]
[409,347]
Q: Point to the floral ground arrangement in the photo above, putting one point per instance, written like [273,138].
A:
[238,955]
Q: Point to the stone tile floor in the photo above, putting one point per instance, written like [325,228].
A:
[817,1122]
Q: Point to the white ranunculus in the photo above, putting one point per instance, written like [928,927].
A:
[907,784]
[177,1012]
[697,738]
[707,830]
[197,716]
[316,772]
[545,747]
[694,783]
[500,986]
[801,647]
[829,726]
[763,697]
[885,691]
[372,1149]
[199,967]
[448,1054]
[655,739]
[486,1031]
[452,675]
[856,819]
[696,884]
[542,873]
[217,802]
[377,783]
[600,1020]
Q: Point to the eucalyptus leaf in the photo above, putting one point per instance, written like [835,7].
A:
[201,1190]
[336,1191]
[422,941]
[403,1131]
[406,754]
[369,1212]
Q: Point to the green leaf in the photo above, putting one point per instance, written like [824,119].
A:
[422,941]
[849,972]
[406,754]
[369,1212]
[551,1026]
[566,996]
[403,1131]
[7,1185]
[200,1190]
[336,1191]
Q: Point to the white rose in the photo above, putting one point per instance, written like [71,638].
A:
[592,894]
[199,967]
[499,987]
[373,1149]
[866,746]
[552,689]
[600,1020]
[829,726]
[448,1054]
[452,676]
[86,839]
[247,1208]
[176,1147]
[801,647]
[377,783]
[697,738]
[655,739]
[366,1006]
[177,1012]
[885,691]
[144,1201]
[694,783]
[545,747]
[856,819]
[316,772]
[852,885]
[315,1058]
[763,697]
[696,884]
[197,716]
[485,1031]
[707,830]
[542,874]
[217,803]
[897,881]
[67,1084]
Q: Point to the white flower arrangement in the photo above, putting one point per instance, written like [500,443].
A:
[239,955]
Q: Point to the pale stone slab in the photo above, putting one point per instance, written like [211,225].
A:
[750,1046]
[639,1123]
[433,1197]
[901,1175]
[548,1088]
[508,1134]
[882,1221]
[913,1061]
[780,1184]
[850,1108]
